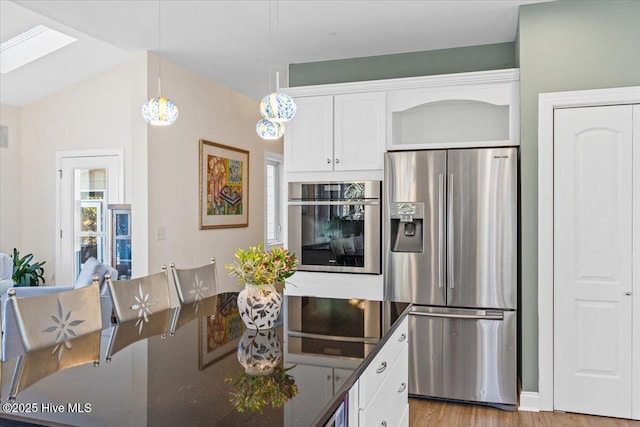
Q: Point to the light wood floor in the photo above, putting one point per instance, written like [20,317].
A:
[432,413]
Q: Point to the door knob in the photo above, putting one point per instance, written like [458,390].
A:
[628,294]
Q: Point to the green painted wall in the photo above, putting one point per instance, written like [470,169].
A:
[444,61]
[563,46]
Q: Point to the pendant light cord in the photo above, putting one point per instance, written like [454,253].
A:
[277,42]
[159,51]
[270,48]
[271,37]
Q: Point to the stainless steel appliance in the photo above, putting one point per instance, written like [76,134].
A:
[335,226]
[450,247]
[332,326]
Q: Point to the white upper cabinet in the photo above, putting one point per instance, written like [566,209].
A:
[459,110]
[336,133]
[308,140]
[359,131]
[345,127]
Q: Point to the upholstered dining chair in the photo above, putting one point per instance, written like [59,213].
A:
[52,319]
[137,299]
[57,331]
[195,284]
[197,289]
[91,269]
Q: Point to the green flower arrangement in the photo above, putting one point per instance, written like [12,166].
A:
[259,267]
[253,392]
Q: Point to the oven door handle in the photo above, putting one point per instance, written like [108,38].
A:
[366,340]
[373,202]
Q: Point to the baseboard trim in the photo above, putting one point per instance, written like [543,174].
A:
[529,401]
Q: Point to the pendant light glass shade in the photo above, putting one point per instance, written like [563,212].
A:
[269,130]
[278,107]
[159,111]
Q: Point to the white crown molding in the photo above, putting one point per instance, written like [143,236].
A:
[475,77]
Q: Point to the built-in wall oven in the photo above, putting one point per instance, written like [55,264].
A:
[332,327]
[335,226]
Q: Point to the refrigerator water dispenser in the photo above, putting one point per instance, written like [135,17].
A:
[406,229]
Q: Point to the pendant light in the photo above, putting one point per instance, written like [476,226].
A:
[269,130]
[275,108]
[160,111]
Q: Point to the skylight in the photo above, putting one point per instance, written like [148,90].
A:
[31,45]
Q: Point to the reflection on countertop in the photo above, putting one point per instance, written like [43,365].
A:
[180,379]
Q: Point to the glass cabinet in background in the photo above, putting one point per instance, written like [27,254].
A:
[121,239]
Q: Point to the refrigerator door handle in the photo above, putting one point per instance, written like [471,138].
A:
[441,231]
[450,231]
[481,315]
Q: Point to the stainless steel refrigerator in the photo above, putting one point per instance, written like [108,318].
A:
[450,246]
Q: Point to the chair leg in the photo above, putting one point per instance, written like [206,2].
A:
[15,380]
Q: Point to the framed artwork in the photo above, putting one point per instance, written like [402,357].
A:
[219,335]
[224,186]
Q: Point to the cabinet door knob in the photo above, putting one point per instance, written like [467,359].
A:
[382,367]
[328,161]
[328,377]
[337,160]
[402,337]
[383,424]
[628,294]
[402,388]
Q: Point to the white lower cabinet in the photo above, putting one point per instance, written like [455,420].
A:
[383,398]
[404,422]
[391,399]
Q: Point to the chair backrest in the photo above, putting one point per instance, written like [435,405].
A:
[139,298]
[54,319]
[195,284]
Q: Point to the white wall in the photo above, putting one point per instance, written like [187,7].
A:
[10,181]
[94,114]
[161,163]
[215,113]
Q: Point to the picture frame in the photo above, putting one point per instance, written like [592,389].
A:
[218,335]
[224,186]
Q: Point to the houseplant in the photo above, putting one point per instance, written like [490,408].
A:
[258,271]
[24,272]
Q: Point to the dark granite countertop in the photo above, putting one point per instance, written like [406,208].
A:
[163,381]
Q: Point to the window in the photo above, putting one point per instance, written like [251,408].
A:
[273,200]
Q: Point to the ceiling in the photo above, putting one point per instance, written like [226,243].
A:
[231,41]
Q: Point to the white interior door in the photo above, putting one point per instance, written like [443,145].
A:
[593,260]
[88,184]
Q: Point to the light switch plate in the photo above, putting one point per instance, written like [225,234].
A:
[161,233]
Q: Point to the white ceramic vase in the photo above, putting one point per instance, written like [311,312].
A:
[259,306]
